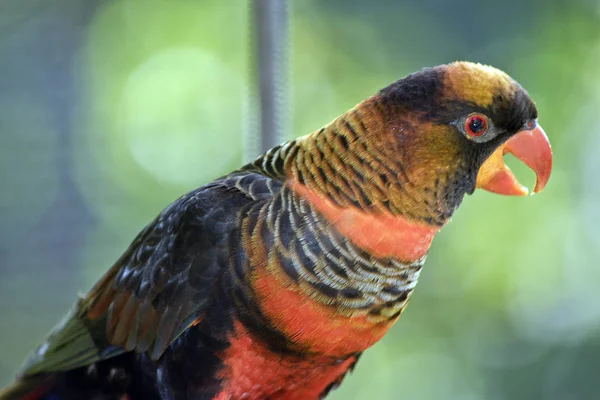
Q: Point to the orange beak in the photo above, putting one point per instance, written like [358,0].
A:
[530,146]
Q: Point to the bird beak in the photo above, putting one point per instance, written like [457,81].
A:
[530,146]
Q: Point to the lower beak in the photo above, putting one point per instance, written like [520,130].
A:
[530,146]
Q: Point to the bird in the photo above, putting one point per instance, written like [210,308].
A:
[270,282]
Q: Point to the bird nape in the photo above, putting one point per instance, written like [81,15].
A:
[269,282]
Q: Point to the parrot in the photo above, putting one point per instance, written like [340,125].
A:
[271,281]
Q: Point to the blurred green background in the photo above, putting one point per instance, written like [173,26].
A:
[111,109]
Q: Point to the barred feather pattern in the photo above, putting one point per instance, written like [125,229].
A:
[304,247]
[323,263]
[345,161]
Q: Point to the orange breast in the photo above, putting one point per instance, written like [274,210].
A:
[313,325]
[253,372]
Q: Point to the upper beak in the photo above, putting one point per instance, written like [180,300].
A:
[530,146]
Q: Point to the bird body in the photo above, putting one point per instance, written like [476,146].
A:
[270,282]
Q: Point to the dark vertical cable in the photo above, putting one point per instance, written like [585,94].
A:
[270,71]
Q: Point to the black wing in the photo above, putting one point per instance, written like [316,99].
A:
[161,285]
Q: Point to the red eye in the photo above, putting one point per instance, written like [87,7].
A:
[476,125]
[531,124]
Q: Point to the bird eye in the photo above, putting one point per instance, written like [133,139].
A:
[531,124]
[476,125]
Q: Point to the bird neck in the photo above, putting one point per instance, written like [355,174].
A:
[353,162]
[350,162]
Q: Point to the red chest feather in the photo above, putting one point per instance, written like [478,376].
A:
[312,325]
[254,372]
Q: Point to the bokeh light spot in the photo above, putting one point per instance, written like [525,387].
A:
[174,115]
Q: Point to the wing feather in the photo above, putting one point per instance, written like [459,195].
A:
[160,286]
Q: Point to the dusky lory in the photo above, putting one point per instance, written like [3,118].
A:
[269,282]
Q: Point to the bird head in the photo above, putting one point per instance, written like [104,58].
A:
[444,130]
